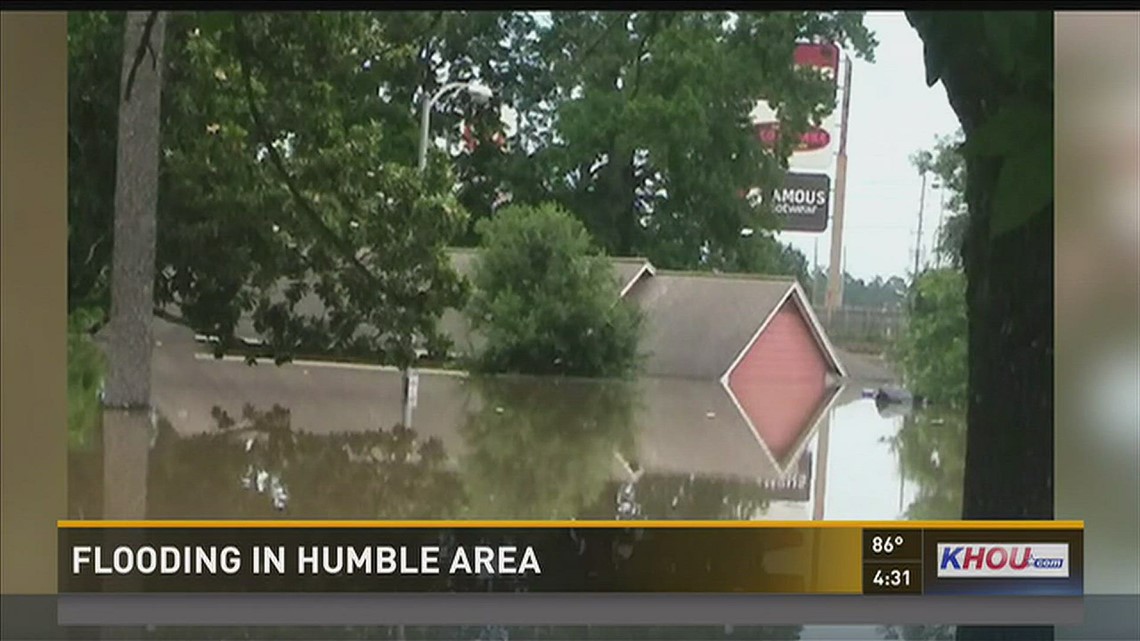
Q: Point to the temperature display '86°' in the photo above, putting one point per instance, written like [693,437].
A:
[892,545]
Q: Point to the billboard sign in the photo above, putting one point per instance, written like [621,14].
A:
[816,145]
[803,202]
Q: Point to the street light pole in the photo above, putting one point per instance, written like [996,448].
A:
[477,91]
[480,94]
[918,240]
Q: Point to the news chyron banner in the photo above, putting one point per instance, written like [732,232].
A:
[966,558]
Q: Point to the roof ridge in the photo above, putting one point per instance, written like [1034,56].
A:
[782,278]
[616,259]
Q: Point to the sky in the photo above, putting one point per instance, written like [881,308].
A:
[893,114]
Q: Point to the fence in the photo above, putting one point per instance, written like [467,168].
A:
[862,325]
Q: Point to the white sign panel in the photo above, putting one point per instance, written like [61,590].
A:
[413,388]
[816,148]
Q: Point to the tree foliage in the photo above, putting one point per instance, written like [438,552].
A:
[288,138]
[85,370]
[762,253]
[547,300]
[932,349]
[643,130]
[947,164]
[279,165]
[1015,131]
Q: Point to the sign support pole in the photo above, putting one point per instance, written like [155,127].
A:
[834,298]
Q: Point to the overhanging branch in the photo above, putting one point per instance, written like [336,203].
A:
[140,53]
[313,216]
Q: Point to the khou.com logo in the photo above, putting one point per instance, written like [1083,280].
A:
[1003,560]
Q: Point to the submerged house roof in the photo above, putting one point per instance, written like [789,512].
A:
[698,324]
[680,426]
[699,328]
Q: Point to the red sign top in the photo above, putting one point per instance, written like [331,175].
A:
[818,55]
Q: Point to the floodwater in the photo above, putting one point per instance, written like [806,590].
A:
[308,440]
[525,448]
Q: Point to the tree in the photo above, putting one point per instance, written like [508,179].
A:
[999,82]
[762,253]
[136,199]
[946,163]
[997,71]
[284,173]
[640,124]
[273,123]
[94,70]
[933,347]
[878,292]
[547,301]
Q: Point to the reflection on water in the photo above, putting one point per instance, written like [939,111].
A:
[231,441]
[931,448]
[524,448]
[536,449]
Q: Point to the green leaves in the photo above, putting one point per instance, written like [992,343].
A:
[645,134]
[545,299]
[237,224]
[1010,129]
[85,368]
[211,23]
[1021,136]
[1024,188]
[1000,63]
[932,349]
[635,123]
[1007,33]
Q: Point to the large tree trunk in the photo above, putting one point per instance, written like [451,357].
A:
[1009,439]
[1009,443]
[136,199]
[127,415]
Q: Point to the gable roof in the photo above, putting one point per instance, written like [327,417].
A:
[797,297]
[698,323]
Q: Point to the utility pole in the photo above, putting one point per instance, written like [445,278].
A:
[918,239]
[941,215]
[815,273]
[834,297]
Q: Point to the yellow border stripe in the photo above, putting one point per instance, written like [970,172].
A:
[896,525]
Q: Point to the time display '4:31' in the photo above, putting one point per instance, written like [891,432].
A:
[892,578]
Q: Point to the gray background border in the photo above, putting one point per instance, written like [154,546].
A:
[555,609]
